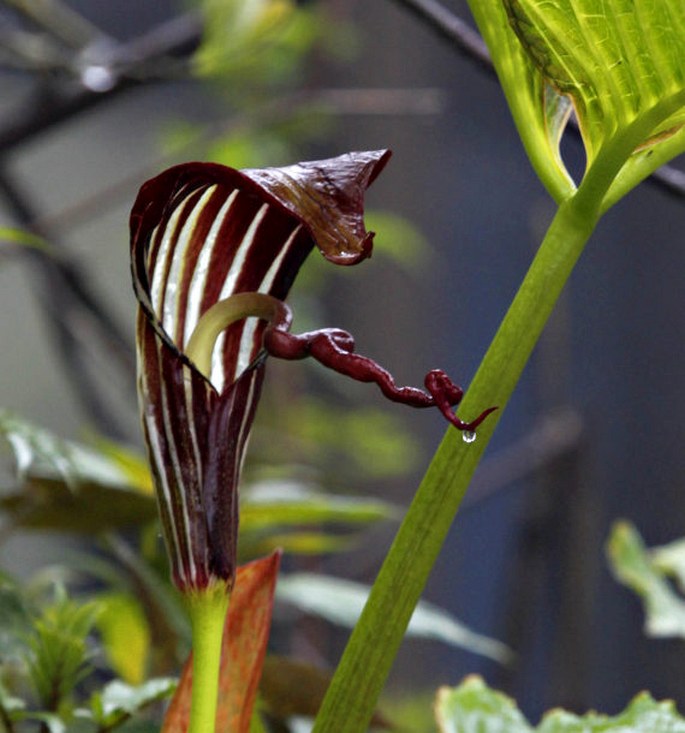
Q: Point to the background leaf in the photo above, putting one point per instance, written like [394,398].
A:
[620,62]
[341,602]
[539,112]
[118,701]
[125,635]
[634,566]
[475,707]
[66,486]
[271,504]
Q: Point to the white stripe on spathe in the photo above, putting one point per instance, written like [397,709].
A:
[154,439]
[158,267]
[188,396]
[247,339]
[178,263]
[198,281]
[218,378]
[180,487]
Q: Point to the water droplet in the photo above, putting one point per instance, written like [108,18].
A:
[468,436]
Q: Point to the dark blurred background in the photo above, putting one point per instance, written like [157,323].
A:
[593,432]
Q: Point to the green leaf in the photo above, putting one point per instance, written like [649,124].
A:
[670,560]
[67,486]
[298,543]
[341,602]
[125,635]
[539,112]
[290,515]
[15,620]
[50,722]
[386,449]
[473,706]
[268,39]
[270,504]
[621,63]
[60,651]
[634,566]
[38,452]
[118,701]
[10,705]
[23,238]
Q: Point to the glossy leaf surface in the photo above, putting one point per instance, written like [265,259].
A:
[617,61]
[39,452]
[118,701]
[67,486]
[244,646]
[282,503]
[623,66]
[539,112]
[473,706]
[647,574]
[341,602]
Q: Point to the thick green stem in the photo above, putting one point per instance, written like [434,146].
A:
[372,647]
[207,609]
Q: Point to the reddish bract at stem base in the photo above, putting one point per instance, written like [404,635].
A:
[334,349]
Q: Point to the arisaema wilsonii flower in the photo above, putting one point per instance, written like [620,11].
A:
[214,252]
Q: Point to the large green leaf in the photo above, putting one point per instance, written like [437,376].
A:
[341,602]
[646,574]
[473,706]
[125,634]
[539,112]
[272,504]
[297,517]
[622,63]
[117,701]
[66,486]
[38,452]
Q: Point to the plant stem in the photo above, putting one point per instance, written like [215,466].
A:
[207,611]
[366,662]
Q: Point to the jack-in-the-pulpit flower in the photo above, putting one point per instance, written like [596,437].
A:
[214,252]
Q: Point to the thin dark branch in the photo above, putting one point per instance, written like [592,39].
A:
[451,28]
[77,320]
[56,20]
[74,315]
[463,39]
[133,62]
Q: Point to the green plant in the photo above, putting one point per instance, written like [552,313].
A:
[620,69]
